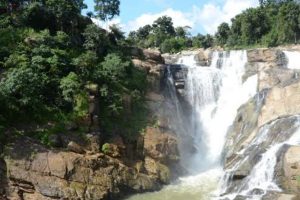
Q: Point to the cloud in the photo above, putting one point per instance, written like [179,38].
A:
[210,16]
[202,19]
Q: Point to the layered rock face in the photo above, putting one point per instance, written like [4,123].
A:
[30,170]
[268,119]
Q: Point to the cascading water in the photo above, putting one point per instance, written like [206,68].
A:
[214,94]
[261,178]
[292,59]
[266,144]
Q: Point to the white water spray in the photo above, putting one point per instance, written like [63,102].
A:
[215,94]
[293,59]
[261,177]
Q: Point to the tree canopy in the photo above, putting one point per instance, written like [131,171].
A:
[50,55]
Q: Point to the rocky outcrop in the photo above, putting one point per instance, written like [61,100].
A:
[34,171]
[288,169]
[280,101]
[152,63]
[271,117]
[202,57]
[85,168]
[161,145]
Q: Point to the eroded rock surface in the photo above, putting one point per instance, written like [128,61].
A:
[269,118]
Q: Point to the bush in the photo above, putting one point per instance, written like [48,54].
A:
[106,148]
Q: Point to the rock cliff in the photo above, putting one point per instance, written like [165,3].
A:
[269,118]
[84,170]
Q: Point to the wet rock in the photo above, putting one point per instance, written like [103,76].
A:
[279,196]
[203,57]
[240,197]
[157,169]
[243,129]
[288,170]
[240,174]
[257,191]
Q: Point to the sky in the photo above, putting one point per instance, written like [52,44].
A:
[203,16]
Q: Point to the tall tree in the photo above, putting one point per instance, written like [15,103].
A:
[107,9]
[288,28]
[223,34]
[164,25]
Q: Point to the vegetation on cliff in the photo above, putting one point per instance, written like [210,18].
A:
[50,57]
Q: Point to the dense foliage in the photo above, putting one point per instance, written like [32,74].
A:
[49,56]
[163,35]
[274,22]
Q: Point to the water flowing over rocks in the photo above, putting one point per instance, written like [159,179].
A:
[260,153]
[246,101]
[228,121]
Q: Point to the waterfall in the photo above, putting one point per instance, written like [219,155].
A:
[292,59]
[215,93]
[261,178]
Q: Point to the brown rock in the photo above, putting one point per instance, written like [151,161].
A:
[280,101]
[157,169]
[72,146]
[262,55]
[154,55]
[111,150]
[160,146]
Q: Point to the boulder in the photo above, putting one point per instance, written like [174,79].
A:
[73,146]
[154,55]
[279,102]
[161,171]
[203,57]
[263,55]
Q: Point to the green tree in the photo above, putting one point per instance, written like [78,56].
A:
[70,86]
[164,25]
[208,41]
[223,34]
[198,40]
[107,9]
[182,31]
[288,27]
[117,33]
[96,39]
[65,12]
